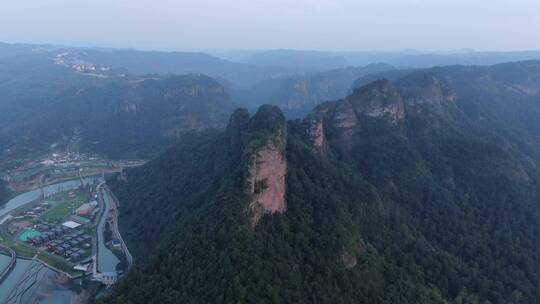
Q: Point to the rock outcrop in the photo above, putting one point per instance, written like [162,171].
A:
[348,260]
[267,171]
[432,91]
[378,99]
[316,134]
[267,165]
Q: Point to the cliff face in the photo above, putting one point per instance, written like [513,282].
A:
[377,100]
[433,91]
[342,117]
[170,106]
[316,133]
[267,164]
[267,170]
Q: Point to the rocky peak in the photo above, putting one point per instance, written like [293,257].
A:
[378,99]
[430,90]
[315,132]
[344,121]
[267,164]
[237,124]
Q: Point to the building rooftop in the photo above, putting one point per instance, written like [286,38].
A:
[71,224]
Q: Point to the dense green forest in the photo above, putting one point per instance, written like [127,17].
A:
[172,188]
[424,190]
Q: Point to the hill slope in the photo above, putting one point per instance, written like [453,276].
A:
[420,190]
[46,101]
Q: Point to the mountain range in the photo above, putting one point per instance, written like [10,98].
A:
[114,116]
[418,189]
[326,60]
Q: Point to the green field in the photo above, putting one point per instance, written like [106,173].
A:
[60,211]
[63,205]
[21,249]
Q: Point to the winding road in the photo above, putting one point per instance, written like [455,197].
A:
[116,231]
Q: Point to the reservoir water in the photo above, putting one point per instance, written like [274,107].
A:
[32,282]
[33,195]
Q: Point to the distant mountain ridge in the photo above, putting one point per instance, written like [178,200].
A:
[324,60]
[295,80]
[36,81]
[115,114]
[297,95]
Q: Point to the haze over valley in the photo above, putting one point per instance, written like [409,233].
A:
[270,152]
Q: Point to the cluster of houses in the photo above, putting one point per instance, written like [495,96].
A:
[37,211]
[88,210]
[62,240]
[70,60]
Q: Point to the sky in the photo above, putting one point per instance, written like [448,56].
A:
[498,25]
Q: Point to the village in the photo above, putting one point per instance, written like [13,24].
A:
[61,230]
[58,166]
[66,237]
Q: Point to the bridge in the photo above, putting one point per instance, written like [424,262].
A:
[5,272]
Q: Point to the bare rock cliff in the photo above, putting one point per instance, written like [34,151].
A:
[378,99]
[267,166]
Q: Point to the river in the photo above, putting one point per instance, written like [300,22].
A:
[37,284]
[107,261]
[33,195]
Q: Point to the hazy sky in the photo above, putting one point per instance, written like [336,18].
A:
[263,24]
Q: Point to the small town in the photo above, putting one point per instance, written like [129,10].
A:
[64,231]
[59,166]
[40,227]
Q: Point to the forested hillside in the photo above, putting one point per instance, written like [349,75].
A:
[172,188]
[420,190]
[47,103]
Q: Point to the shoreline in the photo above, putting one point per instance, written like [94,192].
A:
[21,257]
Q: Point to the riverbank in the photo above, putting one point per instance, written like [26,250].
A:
[106,259]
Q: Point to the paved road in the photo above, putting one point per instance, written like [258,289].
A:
[115,230]
[114,222]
